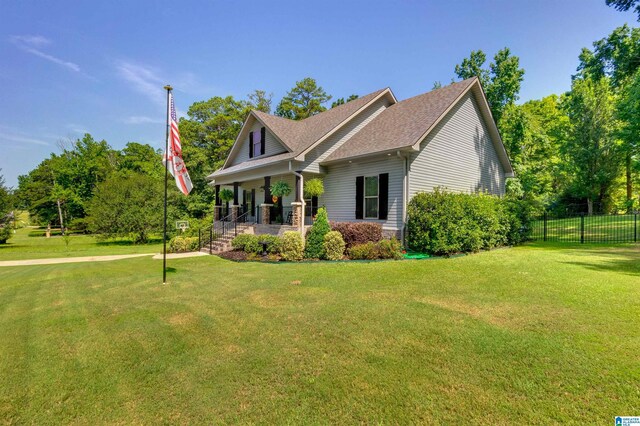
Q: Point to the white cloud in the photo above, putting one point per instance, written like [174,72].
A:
[77,128]
[12,137]
[141,119]
[144,80]
[34,43]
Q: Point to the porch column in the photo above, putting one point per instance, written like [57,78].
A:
[265,208]
[298,195]
[235,207]
[217,208]
[297,216]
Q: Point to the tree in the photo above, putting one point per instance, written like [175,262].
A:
[342,101]
[617,57]
[625,5]
[501,81]
[628,109]
[592,149]
[207,135]
[260,100]
[127,206]
[533,134]
[140,158]
[6,205]
[305,99]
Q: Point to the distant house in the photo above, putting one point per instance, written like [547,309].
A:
[373,153]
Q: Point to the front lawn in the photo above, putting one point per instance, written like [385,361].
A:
[534,334]
[30,243]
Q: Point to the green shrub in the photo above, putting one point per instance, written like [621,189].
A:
[183,244]
[292,246]
[253,245]
[5,234]
[240,241]
[367,251]
[333,246]
[390,249]
[355,233]
[273,242]
[315,237]
[444,223]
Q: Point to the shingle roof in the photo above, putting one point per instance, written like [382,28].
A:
[300,135]
[403,124]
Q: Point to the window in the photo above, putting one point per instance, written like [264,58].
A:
[371,197]
[256,143]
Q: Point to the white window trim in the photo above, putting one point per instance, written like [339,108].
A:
[377,197]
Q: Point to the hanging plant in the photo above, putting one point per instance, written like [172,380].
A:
[226,194]
[313,188]
[280,189]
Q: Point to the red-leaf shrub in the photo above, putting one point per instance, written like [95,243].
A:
[355,233]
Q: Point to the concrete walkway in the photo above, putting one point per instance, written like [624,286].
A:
[53,261]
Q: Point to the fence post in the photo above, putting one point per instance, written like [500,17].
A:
[545,226]
[581,228]
[211,240]
[199,238]
[635,227]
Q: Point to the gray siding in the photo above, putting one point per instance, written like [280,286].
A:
[458,155]
[272,146]
[333,142]
[340,189]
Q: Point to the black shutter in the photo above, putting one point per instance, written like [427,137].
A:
[253,202]
[250,144]
[383,195]
[359,196]
[262,137]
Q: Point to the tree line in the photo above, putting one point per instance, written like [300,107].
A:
[577,150]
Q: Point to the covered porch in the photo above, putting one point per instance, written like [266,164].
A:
[253,202]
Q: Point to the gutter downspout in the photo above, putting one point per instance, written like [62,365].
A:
[405,193]
[301,227]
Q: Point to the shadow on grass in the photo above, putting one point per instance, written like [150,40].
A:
[617,259]
[171,270]
[128,242]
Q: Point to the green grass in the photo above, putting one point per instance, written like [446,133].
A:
[534,334]
[597,229]
[30,243]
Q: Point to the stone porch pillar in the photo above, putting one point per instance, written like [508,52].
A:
[298,216]
[235,212]
[217,212]
[265,213]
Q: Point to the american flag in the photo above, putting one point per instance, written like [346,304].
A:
[175,164]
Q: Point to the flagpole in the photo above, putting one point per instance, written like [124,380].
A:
[168,88]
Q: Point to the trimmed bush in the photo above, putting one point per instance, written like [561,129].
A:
[314,248]
[368,251]
[334,246]
[273,242]
[253,245]
[444,223]
[183,244]
[355,233]
[390,249]
[5,234]
[292,246]
[240,241]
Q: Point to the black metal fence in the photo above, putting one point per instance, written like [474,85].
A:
[582,228]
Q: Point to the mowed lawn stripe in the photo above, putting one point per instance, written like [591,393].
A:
[536,333]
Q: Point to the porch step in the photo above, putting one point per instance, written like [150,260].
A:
[223,243]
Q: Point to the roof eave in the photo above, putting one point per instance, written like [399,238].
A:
[406,149]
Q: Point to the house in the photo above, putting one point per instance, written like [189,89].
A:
[373,153]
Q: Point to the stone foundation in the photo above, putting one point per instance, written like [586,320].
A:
[217,212]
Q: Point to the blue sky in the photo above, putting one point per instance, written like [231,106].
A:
[70,67]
